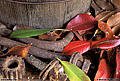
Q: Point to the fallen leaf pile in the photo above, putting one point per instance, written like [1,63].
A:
[109,30]
[99,35]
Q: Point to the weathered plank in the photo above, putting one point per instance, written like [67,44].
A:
[50,15]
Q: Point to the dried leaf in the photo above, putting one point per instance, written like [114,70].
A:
[103,71]
[114,20]
[50,36]
[18,50]
[78,46]
[82,22]
[78,35]
[44,36]
[111,56]
[74,73]
[104,4]
[106,43]
[116,4]
[95,7]
[105,28]
[116,30]
[103,16]
[117,72]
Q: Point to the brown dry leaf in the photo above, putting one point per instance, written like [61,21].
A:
[44,36]
[103,16]
[114,20]
[95,7]
[50,36]
[105,28]
[18,27]
[104,4]
[116,4]
[116,30]
[111,56]
[18,50]
[81,32]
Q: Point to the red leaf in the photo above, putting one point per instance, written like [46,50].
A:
[79,46]
[106,43]
[117,72]
[103,71]
[18,50]
[82,22]
[105,28]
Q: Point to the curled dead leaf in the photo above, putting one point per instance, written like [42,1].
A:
[18,50]
[50,36]
[103,16]
[116,4]
[104,4]
[114,20]
[116,30]
[105,28]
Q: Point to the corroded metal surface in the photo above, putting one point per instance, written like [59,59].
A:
[35,62]
[55,72]
[86,66]
[48,68]
[49,45]
[13,72]
[78,60]
[32,50]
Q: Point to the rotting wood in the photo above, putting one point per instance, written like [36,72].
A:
[49,45]
[32,50]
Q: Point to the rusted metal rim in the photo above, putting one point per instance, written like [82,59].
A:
[50,2]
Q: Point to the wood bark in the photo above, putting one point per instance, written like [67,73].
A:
[51,15]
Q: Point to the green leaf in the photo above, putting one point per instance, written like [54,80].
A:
[28,33]
[74,73]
